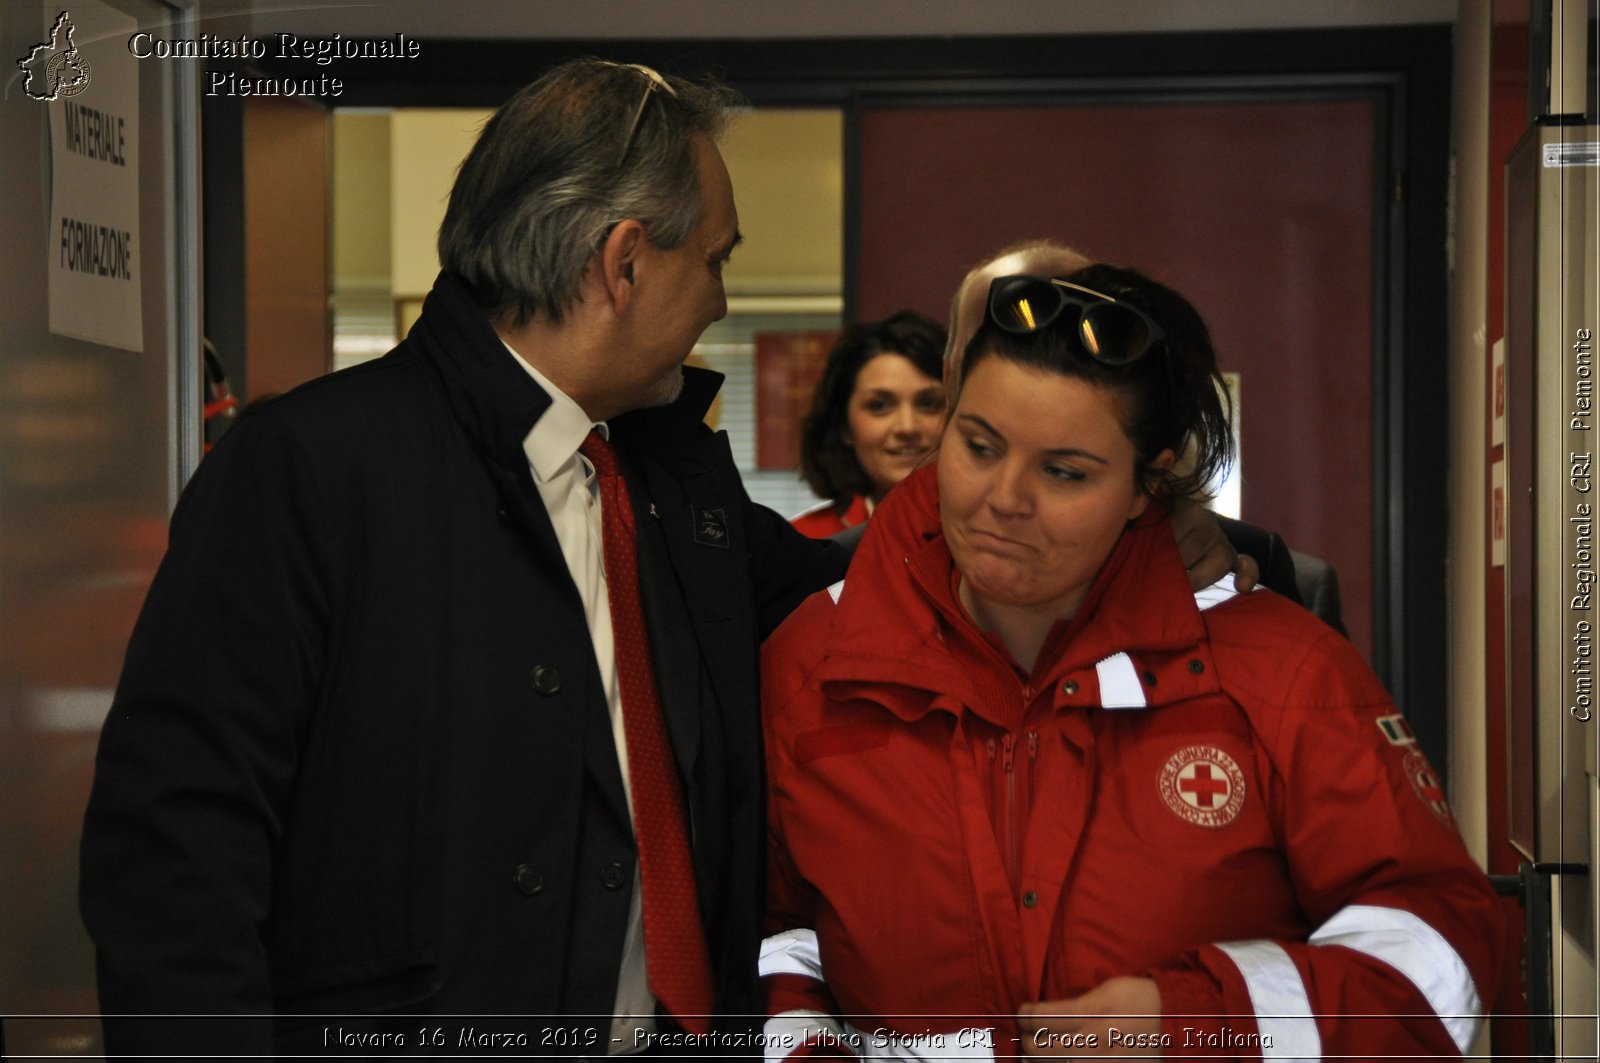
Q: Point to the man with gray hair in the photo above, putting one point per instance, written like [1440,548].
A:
[439,727]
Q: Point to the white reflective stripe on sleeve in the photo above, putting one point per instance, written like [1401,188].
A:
[971,1043]
[791,952]
[786,1032]
[1216,594]
[1418,951]
[1119,683]
[1278,995]
[834,590]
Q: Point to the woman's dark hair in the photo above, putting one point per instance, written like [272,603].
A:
[827,463]
[1173,395]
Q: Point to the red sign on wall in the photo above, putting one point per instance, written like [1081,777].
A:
[787,367]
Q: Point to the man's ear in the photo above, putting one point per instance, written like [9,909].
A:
[618,257]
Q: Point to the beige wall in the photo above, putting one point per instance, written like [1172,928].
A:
[788,179]
[425,147]
[361,223]
[787,168]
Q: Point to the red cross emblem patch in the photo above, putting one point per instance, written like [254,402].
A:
[1429,790]
[1203,785]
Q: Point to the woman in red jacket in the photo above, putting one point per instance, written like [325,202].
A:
[1031,793]
[875,415]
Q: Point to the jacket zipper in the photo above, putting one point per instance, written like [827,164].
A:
[1004,751]
[1020,783]
[1013,809]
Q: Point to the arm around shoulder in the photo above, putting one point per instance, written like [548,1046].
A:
[786,566]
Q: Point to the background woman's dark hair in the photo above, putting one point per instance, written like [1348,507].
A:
[1174,394]
[827,463]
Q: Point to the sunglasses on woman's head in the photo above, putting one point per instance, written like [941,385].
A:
[1109,331]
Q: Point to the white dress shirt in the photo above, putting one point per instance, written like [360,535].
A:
[566,483]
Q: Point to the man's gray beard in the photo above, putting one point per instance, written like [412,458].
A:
[665,391]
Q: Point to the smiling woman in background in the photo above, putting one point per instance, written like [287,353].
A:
[875,415]
[1030,792]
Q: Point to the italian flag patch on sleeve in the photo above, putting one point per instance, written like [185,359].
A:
[1396,730]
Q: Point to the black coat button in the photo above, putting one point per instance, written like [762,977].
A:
[613,876]
[1030,899]
[528,880]
[546,680]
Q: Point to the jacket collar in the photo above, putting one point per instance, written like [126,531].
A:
[497,402]
[898,611]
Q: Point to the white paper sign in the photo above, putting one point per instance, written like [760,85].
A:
[1497,514]
[82,71]
[1497,394]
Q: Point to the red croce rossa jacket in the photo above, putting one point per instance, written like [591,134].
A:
[1212,790]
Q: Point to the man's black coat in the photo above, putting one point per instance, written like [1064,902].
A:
[360,761]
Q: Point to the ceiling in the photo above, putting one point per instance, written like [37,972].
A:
[704,19]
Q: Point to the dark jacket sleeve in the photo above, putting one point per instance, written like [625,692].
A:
[1270,552]
[1319,589]
[787,567]
[198,753]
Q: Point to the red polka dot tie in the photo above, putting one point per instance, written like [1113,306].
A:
[674,944]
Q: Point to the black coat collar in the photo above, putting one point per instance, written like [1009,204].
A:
[497,402]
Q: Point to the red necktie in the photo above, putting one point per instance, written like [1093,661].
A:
[675,947]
